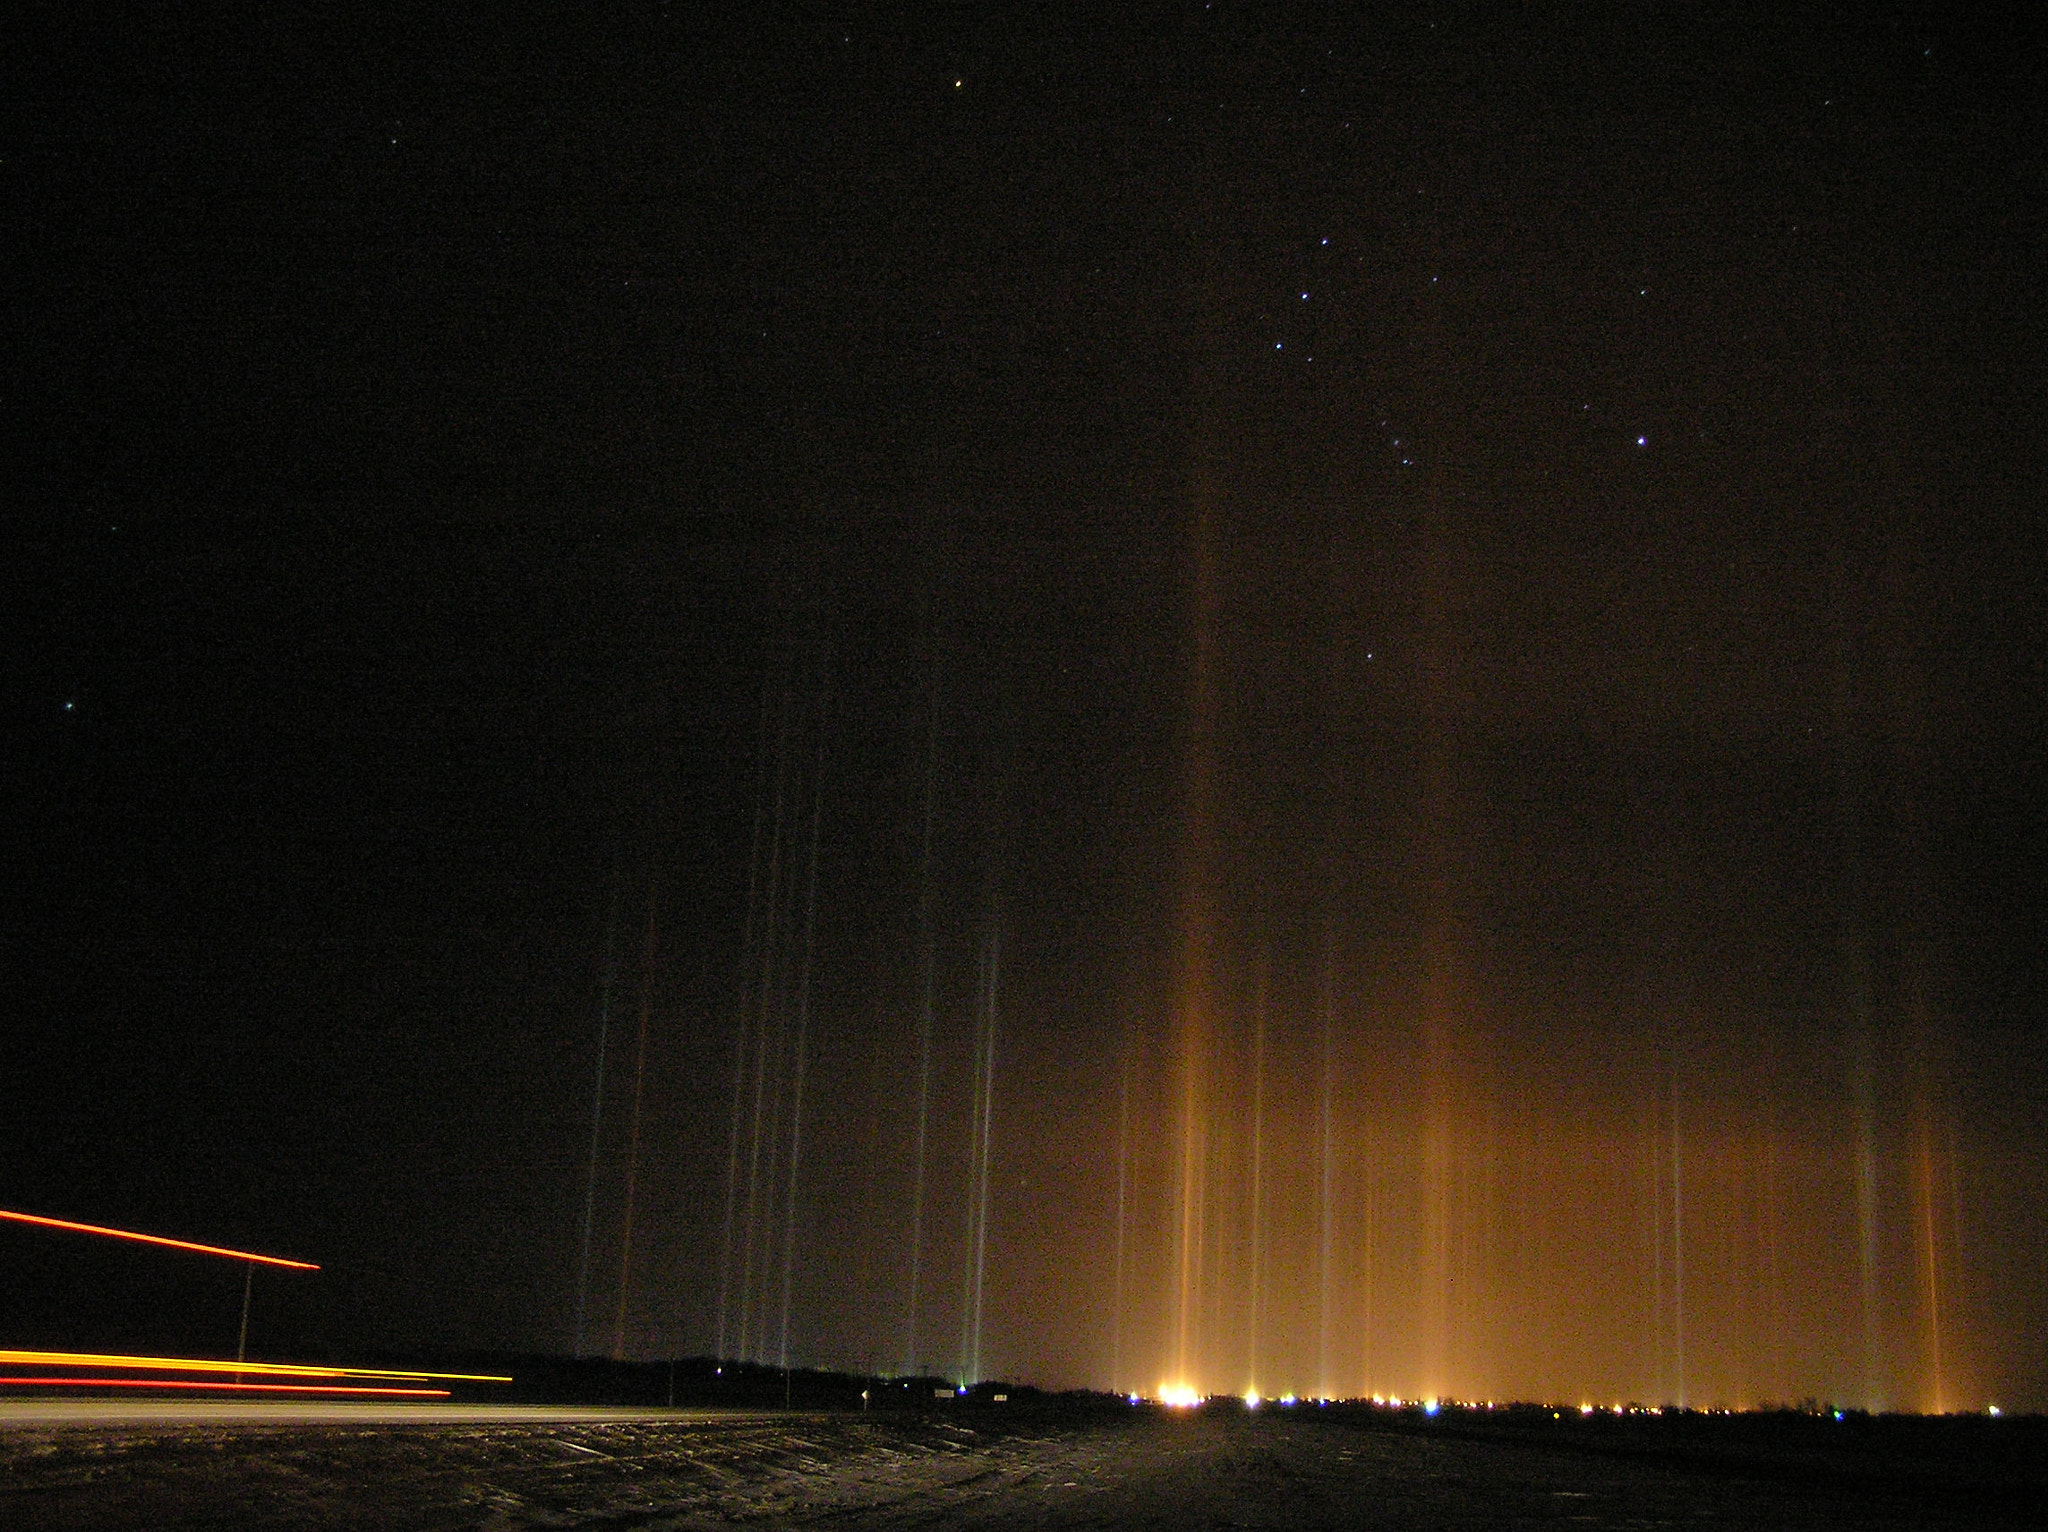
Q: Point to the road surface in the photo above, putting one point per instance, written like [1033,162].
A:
[384,1467]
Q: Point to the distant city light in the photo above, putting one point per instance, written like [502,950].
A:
[1252,1400]
[1178,1395]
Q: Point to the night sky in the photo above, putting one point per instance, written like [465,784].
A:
[1431,615]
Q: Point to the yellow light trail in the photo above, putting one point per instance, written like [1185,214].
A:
[246,1388]
[211,1364]
[156,1239]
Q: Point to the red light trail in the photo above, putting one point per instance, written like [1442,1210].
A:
[156,1239]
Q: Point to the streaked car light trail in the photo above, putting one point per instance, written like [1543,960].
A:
[212,1364]
[245,1388]
[156,1239]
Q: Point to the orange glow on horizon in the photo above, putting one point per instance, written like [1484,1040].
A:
[156,1239]
[246,1388]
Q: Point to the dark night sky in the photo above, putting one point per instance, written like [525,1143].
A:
[1613,438]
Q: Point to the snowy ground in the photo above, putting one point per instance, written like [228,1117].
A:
[625,1469]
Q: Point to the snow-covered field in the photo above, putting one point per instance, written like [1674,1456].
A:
[624,1469]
